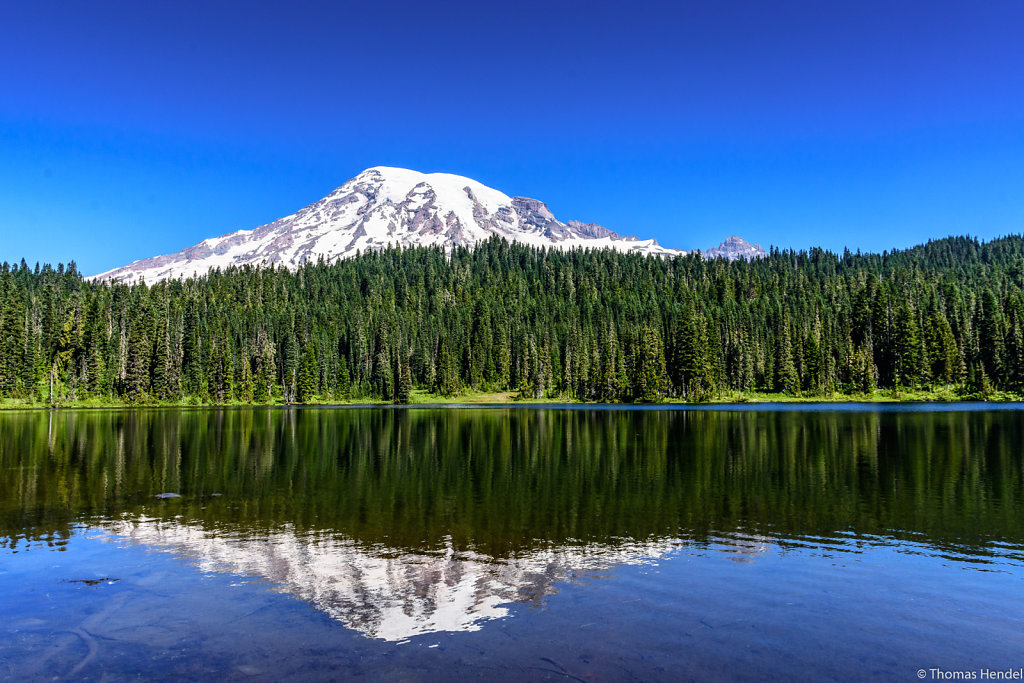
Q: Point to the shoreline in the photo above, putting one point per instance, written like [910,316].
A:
[510,400]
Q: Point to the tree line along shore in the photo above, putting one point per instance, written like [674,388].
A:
[501,321]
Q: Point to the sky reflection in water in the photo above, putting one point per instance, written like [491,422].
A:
[695,542]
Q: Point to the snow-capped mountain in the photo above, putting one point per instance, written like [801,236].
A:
[385,206]
[735,247]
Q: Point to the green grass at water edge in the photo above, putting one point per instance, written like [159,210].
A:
[422,397]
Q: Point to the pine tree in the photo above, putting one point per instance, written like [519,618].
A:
[1015,346]
[992,339]
[192,349]
[447,379]
[139,354]
[649,375]
[403,380]
[786,379]
[610,386]
[307,375]
[906,348]
[246,383]
[290,365]
[813,365]
[941,354]
[691,367]
[161,364]
[266,369]
[344,388]
[12,341]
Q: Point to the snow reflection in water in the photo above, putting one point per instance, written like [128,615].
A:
[383,592]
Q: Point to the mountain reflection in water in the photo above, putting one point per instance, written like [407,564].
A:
[399,523]
[384,592]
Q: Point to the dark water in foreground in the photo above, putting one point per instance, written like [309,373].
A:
[512,543]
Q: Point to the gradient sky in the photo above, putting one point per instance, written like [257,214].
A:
[129,129]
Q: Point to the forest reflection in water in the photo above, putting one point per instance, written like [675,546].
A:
[402,522]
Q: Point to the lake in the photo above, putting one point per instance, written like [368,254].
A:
[554,543]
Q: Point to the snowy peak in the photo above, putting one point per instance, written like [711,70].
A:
[385,206]
[458,194]
[734,248]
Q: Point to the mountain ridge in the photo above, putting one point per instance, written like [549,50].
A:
[381,207]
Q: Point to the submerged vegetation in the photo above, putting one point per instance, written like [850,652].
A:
[943,320]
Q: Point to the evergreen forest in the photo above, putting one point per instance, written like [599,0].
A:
[579,325]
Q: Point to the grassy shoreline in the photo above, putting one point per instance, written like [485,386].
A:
[512,398]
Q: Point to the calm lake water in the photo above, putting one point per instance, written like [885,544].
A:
[800,542]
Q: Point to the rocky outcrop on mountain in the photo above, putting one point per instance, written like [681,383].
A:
[383,207]
[733,248]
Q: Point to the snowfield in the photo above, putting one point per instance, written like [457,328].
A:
[381,207]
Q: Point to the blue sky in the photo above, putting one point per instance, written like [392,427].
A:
[132,129]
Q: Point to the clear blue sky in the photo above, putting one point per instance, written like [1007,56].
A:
[129,129]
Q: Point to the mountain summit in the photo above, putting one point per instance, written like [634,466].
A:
[383,207]
[735,247]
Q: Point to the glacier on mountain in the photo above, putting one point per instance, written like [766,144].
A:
[382,207]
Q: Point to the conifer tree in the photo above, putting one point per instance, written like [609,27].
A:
[307,375]
[502,317]
[649,375]
[906,348]
[991,334]
[139,353]
[786,379]
[403,380]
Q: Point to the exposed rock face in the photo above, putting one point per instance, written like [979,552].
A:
[384,207]
[735,247]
